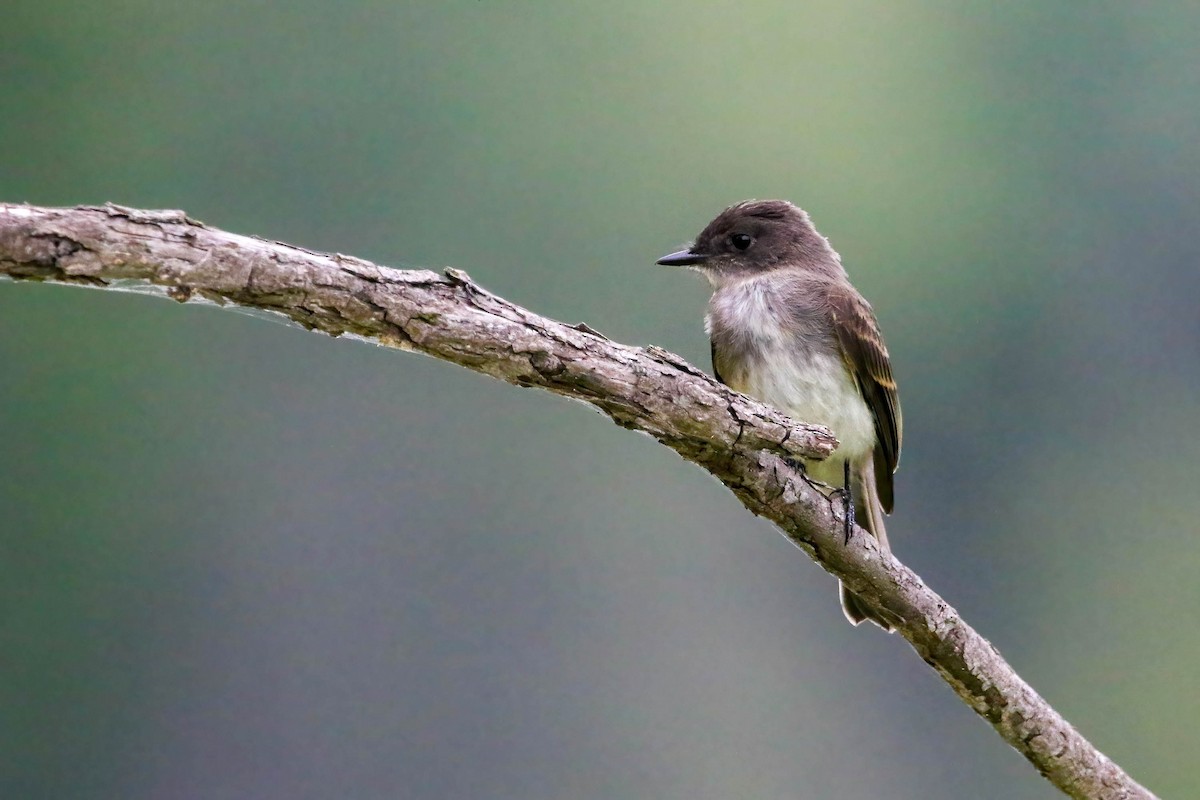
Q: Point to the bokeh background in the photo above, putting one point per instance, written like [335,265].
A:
[242,560]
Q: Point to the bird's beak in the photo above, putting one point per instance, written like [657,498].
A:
[684,258]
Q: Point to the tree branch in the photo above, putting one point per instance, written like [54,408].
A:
[740,441]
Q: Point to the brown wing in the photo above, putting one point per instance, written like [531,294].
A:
[713,354]
[867,358]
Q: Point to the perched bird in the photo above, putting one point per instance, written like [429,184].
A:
[788,329]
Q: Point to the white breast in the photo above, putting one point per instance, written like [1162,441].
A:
[798,369]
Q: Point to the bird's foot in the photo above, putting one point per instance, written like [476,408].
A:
[847,502]
[844,492]
[796,464]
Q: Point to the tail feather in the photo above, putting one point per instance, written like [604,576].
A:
[857,611]
[869,512]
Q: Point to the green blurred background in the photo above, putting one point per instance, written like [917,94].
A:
[241,560]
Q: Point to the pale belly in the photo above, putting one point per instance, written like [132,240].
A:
[798,370]
[816,389]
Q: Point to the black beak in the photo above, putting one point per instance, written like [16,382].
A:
[684,258]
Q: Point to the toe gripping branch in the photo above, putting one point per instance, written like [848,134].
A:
[846,491]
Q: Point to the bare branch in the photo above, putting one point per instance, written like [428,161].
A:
[743,443]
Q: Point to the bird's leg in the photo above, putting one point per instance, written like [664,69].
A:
[844,490]
[847,499]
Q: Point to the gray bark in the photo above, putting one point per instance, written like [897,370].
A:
[743,443]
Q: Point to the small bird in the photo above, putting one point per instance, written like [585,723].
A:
[789,329]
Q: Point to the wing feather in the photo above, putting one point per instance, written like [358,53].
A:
[867,359]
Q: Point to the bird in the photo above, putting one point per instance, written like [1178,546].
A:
[788,328]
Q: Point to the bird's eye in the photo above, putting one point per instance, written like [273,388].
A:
[741,241]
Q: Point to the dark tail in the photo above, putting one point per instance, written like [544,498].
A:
[869,514]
